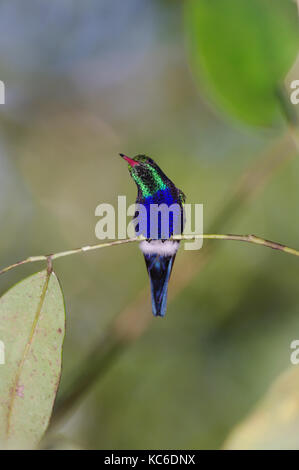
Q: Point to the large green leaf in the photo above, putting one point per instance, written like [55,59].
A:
[241,51]
[32,324]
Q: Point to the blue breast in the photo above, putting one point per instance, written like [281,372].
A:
[160,224]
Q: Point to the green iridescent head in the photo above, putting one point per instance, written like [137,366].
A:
[148,177]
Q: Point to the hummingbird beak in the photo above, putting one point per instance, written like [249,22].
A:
[130,161]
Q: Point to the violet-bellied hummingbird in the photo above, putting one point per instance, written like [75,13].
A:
[155,189]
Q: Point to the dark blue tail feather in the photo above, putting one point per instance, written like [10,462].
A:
[159,269]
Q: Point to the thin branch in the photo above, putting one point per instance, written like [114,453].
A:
[244,238]
[241,238]
[51,257]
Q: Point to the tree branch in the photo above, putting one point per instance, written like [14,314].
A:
[241,238]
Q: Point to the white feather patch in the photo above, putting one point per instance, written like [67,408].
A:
[157,247]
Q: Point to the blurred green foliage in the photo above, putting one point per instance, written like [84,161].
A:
[274,423]
[84,82]
[242,51]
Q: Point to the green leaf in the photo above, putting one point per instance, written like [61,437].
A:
[32,325]
[241,51]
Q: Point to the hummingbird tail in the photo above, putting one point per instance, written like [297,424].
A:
[159,269]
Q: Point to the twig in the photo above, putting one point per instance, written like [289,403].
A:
[51,257]
[241,238]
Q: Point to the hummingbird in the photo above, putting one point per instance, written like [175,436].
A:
[155,189]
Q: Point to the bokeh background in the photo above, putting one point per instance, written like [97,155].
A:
[85,81]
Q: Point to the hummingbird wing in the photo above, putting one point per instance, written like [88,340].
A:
[181,196]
